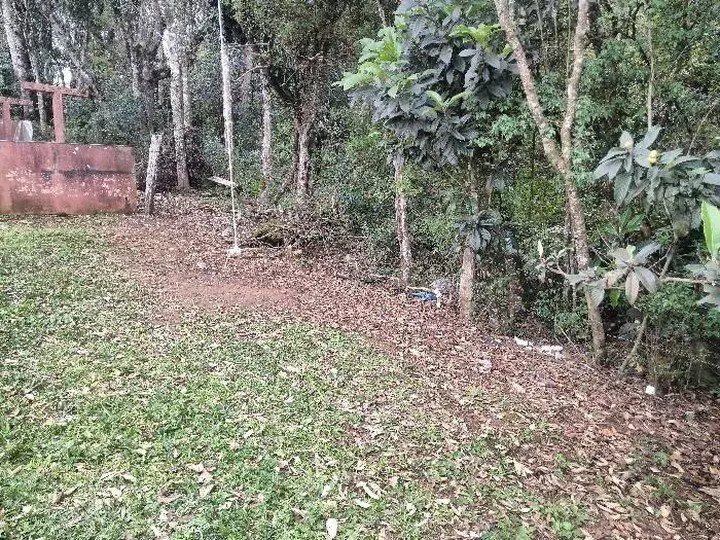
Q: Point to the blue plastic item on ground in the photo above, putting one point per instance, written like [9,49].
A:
[425,296]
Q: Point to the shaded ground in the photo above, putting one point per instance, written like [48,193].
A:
[493,438]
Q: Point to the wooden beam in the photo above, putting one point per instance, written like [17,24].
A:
[57,103]
[16,101]
[50,89]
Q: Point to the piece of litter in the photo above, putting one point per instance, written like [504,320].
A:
[331,526]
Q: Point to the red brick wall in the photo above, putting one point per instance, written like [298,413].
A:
[50,178]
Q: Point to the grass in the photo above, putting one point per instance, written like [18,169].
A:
[114,424]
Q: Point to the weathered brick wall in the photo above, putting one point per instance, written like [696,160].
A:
[50,178]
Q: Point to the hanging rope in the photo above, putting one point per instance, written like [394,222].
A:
[229,132]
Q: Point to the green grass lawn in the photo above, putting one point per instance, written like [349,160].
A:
[115,424]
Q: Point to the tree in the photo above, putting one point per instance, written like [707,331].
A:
[141,29]
[426,79]
[184,20]
[303,42]
[560,156]
[16,43]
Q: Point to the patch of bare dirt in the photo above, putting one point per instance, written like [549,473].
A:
[621,444]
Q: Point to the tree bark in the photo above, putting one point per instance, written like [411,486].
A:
[303,119]
[467,281]
[151,176]
[186,96]
[401,224]
[18,49]
[266,156]
[561,157]
[42,112]
[135,71]
[246,77]
[172,54]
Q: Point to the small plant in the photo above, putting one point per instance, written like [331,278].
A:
[672,180]
[566,519]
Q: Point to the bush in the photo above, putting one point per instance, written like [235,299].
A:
[683,337]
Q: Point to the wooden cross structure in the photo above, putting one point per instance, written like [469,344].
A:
[57,102]
[6,133]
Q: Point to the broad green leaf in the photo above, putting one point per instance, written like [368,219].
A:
[645,252]
[670,155]
[608,168]
[622,186]
[437,98]
[622,256]
[597,293]
[711,228]
[632,288]
[641,156]
[712,178]
[650,137]
[457,98]
[446,54]
[648,279]
[614,153]
[613,276]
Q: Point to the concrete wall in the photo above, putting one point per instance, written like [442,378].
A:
[50,178]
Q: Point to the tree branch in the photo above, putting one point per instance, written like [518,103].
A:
[528,82]
[573,85]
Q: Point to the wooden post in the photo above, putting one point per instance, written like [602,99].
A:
[58,117]
[57,102]
[151,176]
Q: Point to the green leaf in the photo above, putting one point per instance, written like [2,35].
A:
[650,137]
[670,155]
[597,292]
[711,228]
[648,279]
[712,178]
[632,288]
[608,168]
[437,98]
[622,185]
[446,54]
[647,250]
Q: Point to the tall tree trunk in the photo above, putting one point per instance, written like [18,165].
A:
[560,157]
[401,223]
[186,96]
[582,256]
[42,112]
[468,267]
[149,95]
[266,156]
[151,176]
[467,280]
[172,54]
[135,72]
[18,48]
[303,119]
[246,77]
